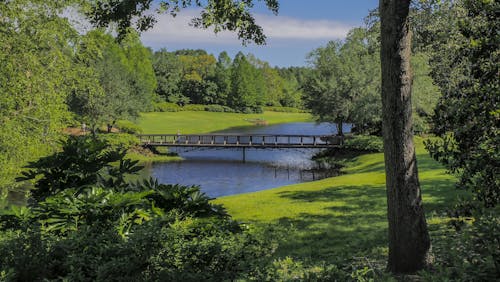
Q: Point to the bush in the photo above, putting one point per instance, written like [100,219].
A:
[194,108]
[284,109]
[218,108]
[119,140]
[126,126]
[166,107]
[87,223]
[366,143]
[469,254]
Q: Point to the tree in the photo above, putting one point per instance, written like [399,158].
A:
[138,62]
[409,242]
[36,74]
[106,95]
[243,95]
[344,85]
[222,78]
[467,117]
[233,15]
[168,72]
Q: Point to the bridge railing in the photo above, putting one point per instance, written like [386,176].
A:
[250,140]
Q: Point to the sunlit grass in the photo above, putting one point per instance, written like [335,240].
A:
[338,218]
[205,122]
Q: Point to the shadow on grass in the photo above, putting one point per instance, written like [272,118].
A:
[424,161]
[353,222]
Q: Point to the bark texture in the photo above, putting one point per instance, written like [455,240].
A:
[409,242]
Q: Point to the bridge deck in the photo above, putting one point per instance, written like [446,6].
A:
[240,140]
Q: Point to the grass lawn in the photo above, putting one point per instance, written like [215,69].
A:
[339,218]
[205,122]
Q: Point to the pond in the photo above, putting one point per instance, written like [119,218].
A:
[221,172]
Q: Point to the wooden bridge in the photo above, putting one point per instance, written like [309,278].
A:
[241,140]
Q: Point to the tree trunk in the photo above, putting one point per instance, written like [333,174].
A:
[340,128]
[409,242]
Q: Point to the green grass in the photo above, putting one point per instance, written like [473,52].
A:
[205,122]
[339,218]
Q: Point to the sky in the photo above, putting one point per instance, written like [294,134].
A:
[300,27]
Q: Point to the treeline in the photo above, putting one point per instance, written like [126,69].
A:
[243,84]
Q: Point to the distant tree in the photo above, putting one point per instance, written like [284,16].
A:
[425,93]
[197,70]
[139,65]
[243,95]
[293,79]
[344,84]
[222,78]
[111,96]
[168,71]
[409,241]
[325,93]
[274,86]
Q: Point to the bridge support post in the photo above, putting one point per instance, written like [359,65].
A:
[244,155]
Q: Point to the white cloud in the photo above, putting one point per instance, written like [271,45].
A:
[169,30]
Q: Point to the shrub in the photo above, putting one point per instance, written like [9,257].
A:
[88,224]
[469,254]
[119,140]
[284,109]
[194,108]
[218,108]
[126,126]
[367,143]
[166,107]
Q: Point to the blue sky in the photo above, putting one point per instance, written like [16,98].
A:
[300,27]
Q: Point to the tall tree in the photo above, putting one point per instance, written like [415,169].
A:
[409,241]
[138,63]
[344,85]
[222,77]
[168,72]
[243,95]
[107,95]
[36,74]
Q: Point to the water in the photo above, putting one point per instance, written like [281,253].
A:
[222,172]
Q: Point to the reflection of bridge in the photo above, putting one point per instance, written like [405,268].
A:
[240,140]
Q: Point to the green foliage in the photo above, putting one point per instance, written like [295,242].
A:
[193,108]
[88,224]
[229,15]
[126,126]
[141,75]
[367,143]
[467,116]
[284,109]
[116,81]
[425,94]
[117,141]
[167,68]
[243,93]
[344,84]
[83,161]
[469,254]
[166,107]
[218,108]
[36,74]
